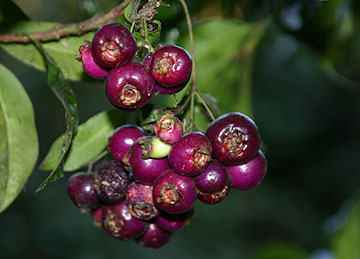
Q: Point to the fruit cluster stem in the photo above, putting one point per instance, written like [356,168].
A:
[64,30]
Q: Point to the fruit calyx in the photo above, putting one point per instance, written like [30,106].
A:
[129,95]
[169,194]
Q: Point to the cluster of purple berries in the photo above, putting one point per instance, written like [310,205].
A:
[148,191]
[130,85]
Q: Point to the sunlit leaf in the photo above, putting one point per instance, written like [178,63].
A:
[18,138]
[89,141]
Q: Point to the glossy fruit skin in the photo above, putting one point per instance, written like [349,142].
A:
[169,128]
[122,140]
[248,176]
[234,137]
[119,223]
[171,66]
[144,170]
[140,201]
[161,89]
[129,87]
[154,237]
[191,155]
[113,45]
[97,217]
[81,191]
[173,222]
[91,68]
[174,193]
[111,182]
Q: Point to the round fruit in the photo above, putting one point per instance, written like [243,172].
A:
[145,170]
[129,87]
[191,155]
[173,222]
[113,45]
[119,223]
[161,89]
[213,184]
[174,193]
[169,128]
[122,140]
[140,201]
[154,237]
[91,68]
[234,137]
[249,175]
[171,66]
[111,182]
[81,191]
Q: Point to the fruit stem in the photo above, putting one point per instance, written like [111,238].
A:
[212,117]
[193,83]
[95,159]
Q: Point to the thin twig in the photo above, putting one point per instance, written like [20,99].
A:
[208,110]
[64,30]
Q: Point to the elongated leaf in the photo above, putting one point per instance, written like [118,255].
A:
[18,138]
[66,96]
[90,140]
[63,52]
[226,73]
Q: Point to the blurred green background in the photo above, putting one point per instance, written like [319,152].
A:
[294,66]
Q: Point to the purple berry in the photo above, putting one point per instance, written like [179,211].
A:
[81,191]
[111,182]
[174,193]
[97,217]
[191,155]
[173,222]
[91,68]
[145,170]
[140,201]
[129,87]
[169,128]
[122,140]
[171,66]
[113,45]
[154,237]
[119,223]
[234,137]
[160,89]
[249,175]
[213,184]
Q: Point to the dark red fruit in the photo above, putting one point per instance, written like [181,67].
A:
[154,237]
[122,140]
[113,45]
[118,222]
[171,66]
[173,222]
[91,68]
[81,191]
[174,193]
[140,201]
[234,137]
[249,175]
[169,128]
[145,170]
[161,89]
[111,182]
[213,184]
[191,155]
[97,217]
[129,87]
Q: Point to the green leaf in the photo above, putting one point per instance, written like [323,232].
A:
[89,141]
[18,138]
[63,51]
[347,239]
[226,72]
[66,96]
